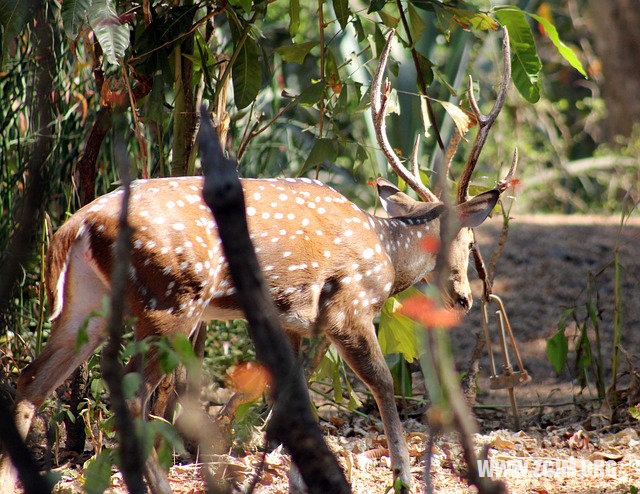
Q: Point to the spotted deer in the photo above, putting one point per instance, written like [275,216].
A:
[329,264]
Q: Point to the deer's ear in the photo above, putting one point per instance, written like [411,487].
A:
[394,201]
[473,212]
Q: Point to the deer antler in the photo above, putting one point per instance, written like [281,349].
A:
[378,108]
[485,121]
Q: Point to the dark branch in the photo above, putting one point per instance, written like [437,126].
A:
[112,370]
[292,422]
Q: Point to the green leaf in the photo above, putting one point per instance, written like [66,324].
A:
[131,384]
[97,476]
[376,6]
[74,14]
[331,74]
[96,387]
[388,20]
[444,20]
[324,149]
[167,357]
[184,348]
[14,15]
[354,401]
[82,336]
[246,71]
[329,367]
[244,4]
[168,432]
[342,105]
[417,24]
[112,35]
[357,24]
[296,53]
[397,333]
[294,17]
[525,63]
[341,8]
[635,412]
[443,79]
[557,350]
[564,50]
[312,94]
[476,20]
[399,367]
[379,41]
[426,67]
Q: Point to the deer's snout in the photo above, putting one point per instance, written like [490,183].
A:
[464,302]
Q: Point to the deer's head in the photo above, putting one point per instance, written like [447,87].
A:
[469,212]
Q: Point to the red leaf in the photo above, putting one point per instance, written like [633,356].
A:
[431,244]
[250,379]
[425,311]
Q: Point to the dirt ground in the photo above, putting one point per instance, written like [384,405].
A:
[543,270]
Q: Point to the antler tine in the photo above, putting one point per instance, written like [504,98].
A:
[506,181]
[447,159]
[378,108]
[485,121]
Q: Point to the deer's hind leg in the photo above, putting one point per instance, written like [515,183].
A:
[83,292]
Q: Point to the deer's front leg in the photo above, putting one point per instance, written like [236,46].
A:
[359,347]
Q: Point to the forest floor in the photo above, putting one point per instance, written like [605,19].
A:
[544,269]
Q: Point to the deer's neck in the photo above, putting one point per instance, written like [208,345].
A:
[406,244]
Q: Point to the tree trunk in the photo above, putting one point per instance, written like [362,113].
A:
[616,29]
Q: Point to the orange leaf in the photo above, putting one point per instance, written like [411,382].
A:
[250,379]
[425,311]
[431,244]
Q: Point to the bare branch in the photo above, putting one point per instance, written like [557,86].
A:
[378,108]
[485,121]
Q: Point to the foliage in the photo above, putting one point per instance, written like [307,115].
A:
[287,82]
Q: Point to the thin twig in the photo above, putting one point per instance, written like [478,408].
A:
[255,133]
